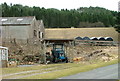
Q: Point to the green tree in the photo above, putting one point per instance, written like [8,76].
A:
[83,16]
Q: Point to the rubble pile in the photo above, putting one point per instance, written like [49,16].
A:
[18,52]
[104,54]
[99,55]
[32,59]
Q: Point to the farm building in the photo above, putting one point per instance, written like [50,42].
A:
[22,36]
[71,33]
[22,28]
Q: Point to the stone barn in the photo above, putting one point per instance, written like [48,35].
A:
[22,28]
[22,36]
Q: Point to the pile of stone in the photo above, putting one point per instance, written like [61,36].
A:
[99,55]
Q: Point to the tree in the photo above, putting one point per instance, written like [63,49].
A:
[84,16]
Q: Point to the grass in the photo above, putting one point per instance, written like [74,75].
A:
[57,67]
[71,71]
[19,69]
[62,71]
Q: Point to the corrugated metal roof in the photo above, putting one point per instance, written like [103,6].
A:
[16,20]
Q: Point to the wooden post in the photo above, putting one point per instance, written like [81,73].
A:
[66,51]
[44,52]
[27,41]
[71,52]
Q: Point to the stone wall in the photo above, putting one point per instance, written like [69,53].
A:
[18,32]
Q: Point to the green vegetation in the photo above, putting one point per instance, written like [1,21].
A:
[74,70]
[20,69]
[81,17]
[56,71]
[118,23]
[117,28]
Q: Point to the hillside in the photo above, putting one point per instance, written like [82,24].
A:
[70,33]
[81,17]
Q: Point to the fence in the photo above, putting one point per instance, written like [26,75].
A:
[95,43]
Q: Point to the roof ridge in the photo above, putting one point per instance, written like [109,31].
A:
[17,20]
[18,16]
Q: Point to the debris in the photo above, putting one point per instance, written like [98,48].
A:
[12,64]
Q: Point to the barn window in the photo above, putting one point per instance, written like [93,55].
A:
[42,35]
[35,33]
[39,34]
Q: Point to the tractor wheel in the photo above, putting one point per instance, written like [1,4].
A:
[66,60]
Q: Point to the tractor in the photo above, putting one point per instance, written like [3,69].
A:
[58,54]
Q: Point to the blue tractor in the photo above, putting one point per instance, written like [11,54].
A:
[58,53]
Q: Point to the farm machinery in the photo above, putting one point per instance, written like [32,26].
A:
[57,54]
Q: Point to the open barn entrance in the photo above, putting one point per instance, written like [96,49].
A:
[57,50]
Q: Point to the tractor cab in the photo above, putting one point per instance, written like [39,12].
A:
[58,53]
[57,50]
